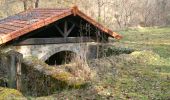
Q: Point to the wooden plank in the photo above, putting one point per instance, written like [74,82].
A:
[39,41]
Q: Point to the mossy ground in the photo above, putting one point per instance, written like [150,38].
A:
[8,94]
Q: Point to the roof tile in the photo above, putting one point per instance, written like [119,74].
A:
[27,21]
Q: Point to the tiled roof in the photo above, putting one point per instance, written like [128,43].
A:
[17,25]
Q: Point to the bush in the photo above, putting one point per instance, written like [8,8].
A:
[117,51]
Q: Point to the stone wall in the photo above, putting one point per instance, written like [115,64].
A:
[43,52]
[40,79]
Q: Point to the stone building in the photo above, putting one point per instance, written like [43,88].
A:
[44,32]
[52,35]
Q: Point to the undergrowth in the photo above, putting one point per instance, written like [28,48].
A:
[138,75]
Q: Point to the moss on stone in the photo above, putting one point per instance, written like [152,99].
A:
[6,93]
[63,76]
[43,79]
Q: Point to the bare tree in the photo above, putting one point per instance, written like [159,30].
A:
[125,10]
[36,3]
[113,13]
[145,12]
[29,4]
[25,4]
[100,4]
[161,11]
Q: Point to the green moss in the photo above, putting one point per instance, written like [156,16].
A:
[145,56]
[63,76]
[6,93]
[41,79]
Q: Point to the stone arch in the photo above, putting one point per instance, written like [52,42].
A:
[52,52]
[43,52]
[62,57]
[53,49]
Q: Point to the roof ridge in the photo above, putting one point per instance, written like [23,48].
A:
[45,19]
[76,11]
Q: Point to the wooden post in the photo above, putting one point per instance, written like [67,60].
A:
[11,72]
[14,66]
[19,59]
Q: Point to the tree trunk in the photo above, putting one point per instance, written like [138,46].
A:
[36,3]
[99,10]
[25,4]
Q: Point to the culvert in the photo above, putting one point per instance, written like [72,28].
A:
[62,57]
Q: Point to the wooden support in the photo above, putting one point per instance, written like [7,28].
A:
[18,74]
[66,31]
[65,28]
[60,31]
[14,72]
[69,31]
[39,41]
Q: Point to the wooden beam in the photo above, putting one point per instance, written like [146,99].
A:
[69,31]
[66,31]
[39,41]
[60,31]
[65,28]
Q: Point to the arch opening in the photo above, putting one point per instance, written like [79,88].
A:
[62,57]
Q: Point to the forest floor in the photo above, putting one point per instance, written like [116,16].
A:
[143,74]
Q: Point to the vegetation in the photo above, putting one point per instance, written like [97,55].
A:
[40,79]
[156,39]
[138,69]
[6,94]
[141,75]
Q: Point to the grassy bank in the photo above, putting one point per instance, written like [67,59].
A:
[156,39]
[141,75]
[149,77]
